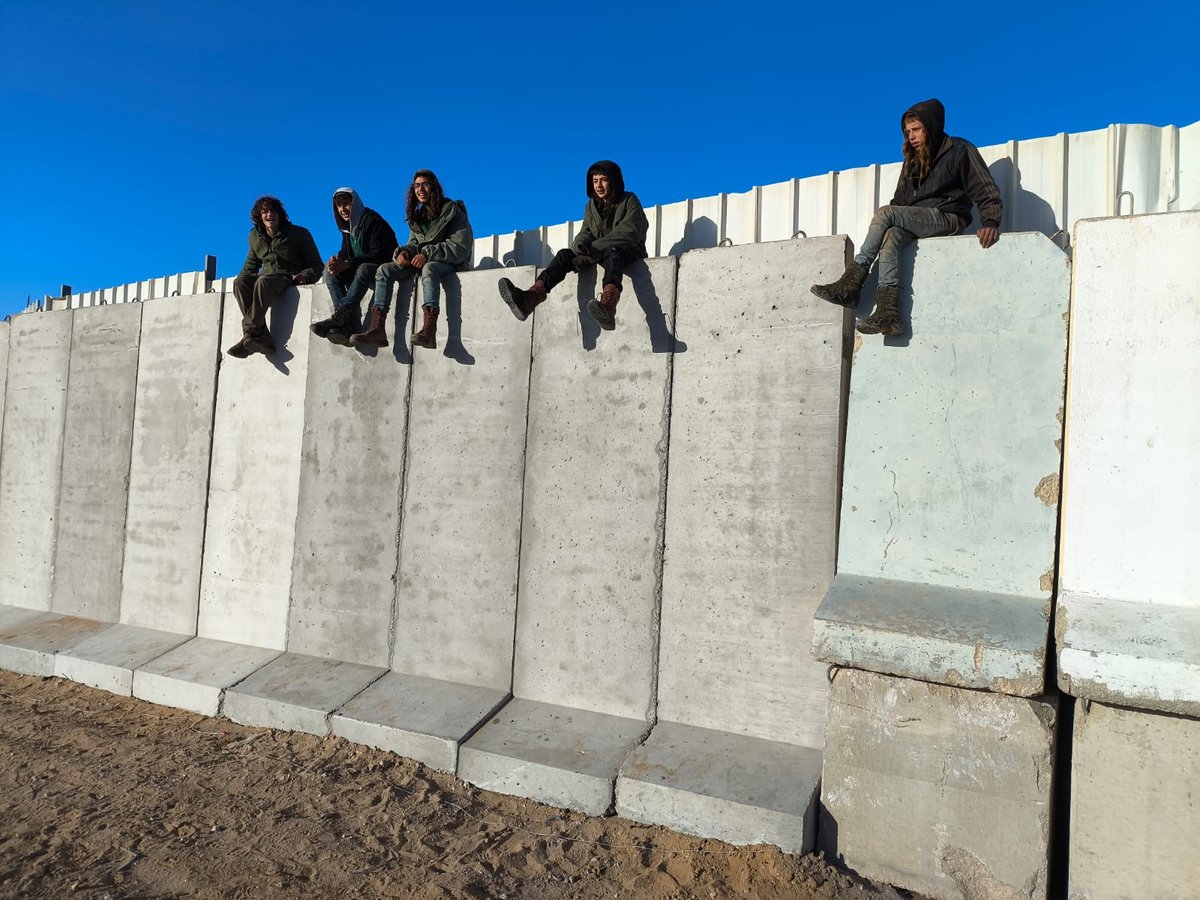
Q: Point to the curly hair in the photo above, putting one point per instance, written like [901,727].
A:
[917,160]
[436,198]
[262,203]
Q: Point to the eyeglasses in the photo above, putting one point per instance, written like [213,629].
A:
[421,184]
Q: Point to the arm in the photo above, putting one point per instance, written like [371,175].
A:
[456,247]
[982,190]
[628,231]
[311,259]
[253,262]
[898,197]
[582,245]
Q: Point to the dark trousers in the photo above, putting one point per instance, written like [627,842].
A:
[614,260]
[255,294]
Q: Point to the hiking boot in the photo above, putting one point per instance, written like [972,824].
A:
[844,291]
[886,318]
[521,302]
[339,326]
[427,336]
[259,341]
[604,310]
[238,350]
[376,333]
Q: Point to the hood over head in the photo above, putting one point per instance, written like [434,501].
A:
[356,211]
[933,116]
[615,179]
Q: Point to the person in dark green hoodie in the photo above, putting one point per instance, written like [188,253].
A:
[613,235]
[281,255]
[440,243]
[940,179]
[368,242]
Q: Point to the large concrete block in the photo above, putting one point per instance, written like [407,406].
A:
[952,444]
[30,466]
[967,773]
[102,387]
[1135,805]
[553,754]
[254,481]
[5,330]
[348,510]
[728,786]
[462,499]
[1129,609]
[108,659]
[12,616]
[168,475]
[29,645]
[195,675]
[421,718]
[297,692]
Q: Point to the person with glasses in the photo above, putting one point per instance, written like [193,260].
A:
[613,235]
[368,242]
[440,243]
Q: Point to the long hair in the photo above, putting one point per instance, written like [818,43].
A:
[262,203]
[917,161]
[436,198]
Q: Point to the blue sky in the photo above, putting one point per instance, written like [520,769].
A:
[137,134]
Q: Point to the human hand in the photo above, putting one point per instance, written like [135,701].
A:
[298,278]
[336,265]
[988,236]
[418,261]
[401,258]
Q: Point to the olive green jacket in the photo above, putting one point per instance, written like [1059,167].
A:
[446,238]
[623,225]
[291,252]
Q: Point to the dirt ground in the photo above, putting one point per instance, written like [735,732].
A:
[111,797]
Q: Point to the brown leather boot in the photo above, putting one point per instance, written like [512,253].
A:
[604,310]
[521,302]
[427,336]
[376,333]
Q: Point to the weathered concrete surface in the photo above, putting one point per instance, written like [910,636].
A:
[752,497]
[595,466]
[1140,654]
[462,499]
[1130,516]
[12,616]
[35,407]
[1135,805]
[937,789]
[5,330]
[168,475]
[107,660]
[102,387]
[195,675]
[348,510]
[728,786]
[254,481]
[553,754]
[952,446]
[973,639]
[297,692]
[421,718]
[28,646]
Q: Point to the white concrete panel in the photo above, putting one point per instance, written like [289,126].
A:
[814,208]
[778,208]
[28,646]
[530,248]
[108,659]
[1186,166]
[859,194]
[5,330]
[741,217]
[557,238]
[484,253]
[30,465]
[101,392]
[673,222]
[195,675]
[706,226]
[254,481]
[1091,189]
[1038,186]
[168,477]
[506,249]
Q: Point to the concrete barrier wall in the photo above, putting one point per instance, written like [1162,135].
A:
[5,330]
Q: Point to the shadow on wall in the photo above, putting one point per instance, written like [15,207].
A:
[1023,210]
[697,234]
[281,326]
[638,273]
[452,294]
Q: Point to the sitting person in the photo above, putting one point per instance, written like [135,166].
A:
[281,255]
[613,235]
[367,242]
[440,242]
[940,178]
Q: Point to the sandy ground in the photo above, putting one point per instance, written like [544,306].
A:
[111,797]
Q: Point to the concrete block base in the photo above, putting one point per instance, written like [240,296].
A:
[954,636]
[297,692]
[1135,805]
[195,675]
[939,790]
[422,718]
[553,754]
[715,784]
[107,660]
[30,644]
[1145,655]
[15,616]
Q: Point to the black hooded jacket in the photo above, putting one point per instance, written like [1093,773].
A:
[620,223]
[957,175]
[367,237]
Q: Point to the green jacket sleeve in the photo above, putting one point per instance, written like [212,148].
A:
[629,229]
[457,240]
[313,264]
[587,234]
[253,262]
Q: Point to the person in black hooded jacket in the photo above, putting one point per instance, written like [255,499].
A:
[613,235]
[940,178]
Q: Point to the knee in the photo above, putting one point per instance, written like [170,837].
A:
[386,272]
[882,217]
[365,273]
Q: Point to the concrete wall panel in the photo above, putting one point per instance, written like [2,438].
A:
[101,393]
[34,411]
[168,478]
[5,330]
[462,501]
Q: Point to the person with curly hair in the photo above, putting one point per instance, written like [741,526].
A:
[281,255]
[440,243]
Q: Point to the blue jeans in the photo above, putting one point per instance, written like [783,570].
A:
[351,285]
[895,227]
[390,274]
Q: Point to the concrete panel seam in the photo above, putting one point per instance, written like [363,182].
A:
[212,428]
[401,491]
[512,668]
[62,441]
[337,709]
[129,468]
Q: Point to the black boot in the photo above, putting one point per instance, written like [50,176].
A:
[339,326]
[521,302]
[427,336]
[238,350]
[844,291]
[376,333]
[258,340]
[604,310]
[886,318]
